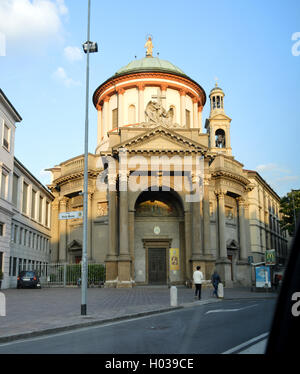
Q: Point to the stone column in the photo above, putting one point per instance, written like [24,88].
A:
[63,231]
[163,94]
[99,125]
[196,248]
[141,117]
[111,257]
[105,124]
[131,215]
[206,219]
[90,227]
[221,223]
[200,108]
[188,243]
[195,113]
[121,92]
[124,260]
[242,229]
[182,107]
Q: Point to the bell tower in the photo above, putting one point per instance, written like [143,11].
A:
[218,123]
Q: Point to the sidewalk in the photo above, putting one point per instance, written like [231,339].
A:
[31,312]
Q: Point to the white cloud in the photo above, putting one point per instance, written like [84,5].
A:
[73,53]
[61,75]
[34,21]
[271,168]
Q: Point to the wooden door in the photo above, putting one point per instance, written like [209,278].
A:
[157,267]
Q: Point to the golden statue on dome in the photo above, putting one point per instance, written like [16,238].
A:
[149,46]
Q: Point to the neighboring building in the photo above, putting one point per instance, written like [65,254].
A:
[152,108]
[8,119]
[30,230]
[25,209]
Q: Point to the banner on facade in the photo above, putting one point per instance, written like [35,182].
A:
[71,215]
[263,276]
[174,259]
[270,257]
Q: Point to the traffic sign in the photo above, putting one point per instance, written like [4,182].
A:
[71,215]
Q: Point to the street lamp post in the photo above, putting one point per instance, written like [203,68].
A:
[88,47]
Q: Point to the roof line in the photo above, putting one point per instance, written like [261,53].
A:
[17,115]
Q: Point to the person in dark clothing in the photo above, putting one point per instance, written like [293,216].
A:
[215,280]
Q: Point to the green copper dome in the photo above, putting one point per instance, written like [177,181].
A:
[150,64]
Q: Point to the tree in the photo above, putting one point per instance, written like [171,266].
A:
[290,209]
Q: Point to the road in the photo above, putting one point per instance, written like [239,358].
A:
[230,326]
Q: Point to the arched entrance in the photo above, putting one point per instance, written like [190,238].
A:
[159,237]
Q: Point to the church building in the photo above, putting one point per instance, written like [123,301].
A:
[165,193]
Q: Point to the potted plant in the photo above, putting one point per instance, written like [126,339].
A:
[1,277]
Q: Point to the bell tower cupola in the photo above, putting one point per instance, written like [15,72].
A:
[218,123]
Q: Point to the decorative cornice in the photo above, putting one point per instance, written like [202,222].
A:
[225,174]
[127,80]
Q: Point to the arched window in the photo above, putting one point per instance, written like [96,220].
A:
[220,138]
[131,114]
[172,113]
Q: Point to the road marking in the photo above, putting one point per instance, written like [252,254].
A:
[229,310]
[245,344]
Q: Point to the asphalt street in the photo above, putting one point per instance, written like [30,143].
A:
[200,329]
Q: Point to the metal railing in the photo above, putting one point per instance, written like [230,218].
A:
[68,275]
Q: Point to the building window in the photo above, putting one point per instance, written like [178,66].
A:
[47,214]
[15,190]
[131,114]
[172,113]
[41,209]
[21,236]
[15,234]
[187,118]
[1,229]
[14,267]
[4,181]
[1,260]
[115,118]
[25,198]
[20,265]
[33,202]
[6,137]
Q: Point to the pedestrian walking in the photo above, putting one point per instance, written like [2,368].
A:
[215,280]
[198,277]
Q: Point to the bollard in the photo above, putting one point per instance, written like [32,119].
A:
[2,305]
[173,296]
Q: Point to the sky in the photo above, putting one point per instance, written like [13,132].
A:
[251,46]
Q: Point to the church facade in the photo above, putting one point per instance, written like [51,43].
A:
[165,193]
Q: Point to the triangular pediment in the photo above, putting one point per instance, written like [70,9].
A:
[74,245]
[220,116]
[161,139]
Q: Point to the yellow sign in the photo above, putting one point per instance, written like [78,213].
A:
[174,258]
